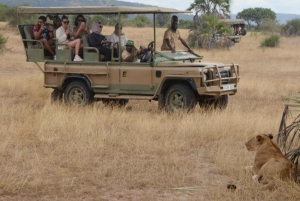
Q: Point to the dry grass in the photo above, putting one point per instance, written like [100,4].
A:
[55,152]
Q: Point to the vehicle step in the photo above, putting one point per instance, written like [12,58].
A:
[132,97]
[100,86]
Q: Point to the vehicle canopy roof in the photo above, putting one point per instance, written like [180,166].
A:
[232,21]
[97,10]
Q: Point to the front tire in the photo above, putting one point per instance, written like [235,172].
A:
[221,102]
[180,97]
[218,103]
[77,93]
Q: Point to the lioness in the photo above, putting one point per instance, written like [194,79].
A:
[269,162]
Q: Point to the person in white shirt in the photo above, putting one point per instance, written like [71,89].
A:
[114,37]
[63,35]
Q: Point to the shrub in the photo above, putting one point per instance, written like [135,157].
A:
[3,40]
[211,33]
[271,41]
[270,26]
[292,28]
[141,20]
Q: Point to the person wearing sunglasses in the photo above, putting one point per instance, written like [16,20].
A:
[63,35]
[44,33]
[114,37]
[98,40]
[81,28]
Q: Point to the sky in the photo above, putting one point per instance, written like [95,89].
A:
[278,6]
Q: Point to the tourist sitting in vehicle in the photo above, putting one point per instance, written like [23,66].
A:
[44,33]
[63,35]
[97,39]
[114,37]
[56,21]
[171,37]
[81,29]
[131,54]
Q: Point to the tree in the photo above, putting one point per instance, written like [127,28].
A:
[220,8]
[257,15]
[247,15]
[292,28]
[162,19]
[141,20]
[3,8]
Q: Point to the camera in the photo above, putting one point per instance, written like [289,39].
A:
[47,26]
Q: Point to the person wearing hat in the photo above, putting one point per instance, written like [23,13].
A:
[171,37]
[131,54]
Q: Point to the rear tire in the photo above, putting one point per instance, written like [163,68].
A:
[180,98]
[77,93]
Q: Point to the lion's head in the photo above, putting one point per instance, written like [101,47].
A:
[256,141]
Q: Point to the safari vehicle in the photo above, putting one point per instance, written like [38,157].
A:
[238,28]
[178,81]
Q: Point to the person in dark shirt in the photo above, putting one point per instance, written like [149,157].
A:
[98,40]
[44,32]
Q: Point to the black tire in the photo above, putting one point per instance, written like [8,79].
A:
[77,93]
[220,103]
[180,97]
[56,96]
[115,102]
[161,102]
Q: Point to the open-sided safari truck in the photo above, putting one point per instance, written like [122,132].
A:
[178,81]
[238,28]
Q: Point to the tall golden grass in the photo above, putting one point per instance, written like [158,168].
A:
[55,152]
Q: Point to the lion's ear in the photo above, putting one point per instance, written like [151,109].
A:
[259,138]
[270,136]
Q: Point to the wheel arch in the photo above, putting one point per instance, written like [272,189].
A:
[169,81]
[76,77]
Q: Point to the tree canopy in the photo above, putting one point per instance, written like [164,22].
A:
[219,7]
[256,15]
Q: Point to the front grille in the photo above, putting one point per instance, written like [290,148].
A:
[210,75]
[224,74]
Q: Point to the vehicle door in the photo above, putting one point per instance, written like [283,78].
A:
[136,78]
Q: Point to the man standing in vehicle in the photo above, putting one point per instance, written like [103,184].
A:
[171,36]
[44,32]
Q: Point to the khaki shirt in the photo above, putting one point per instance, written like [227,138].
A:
[126,54]
[173,36]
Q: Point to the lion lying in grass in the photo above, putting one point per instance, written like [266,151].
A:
[269,162]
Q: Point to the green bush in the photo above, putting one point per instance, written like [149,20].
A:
[211,33]
[271,41]
[292,28]
[3,40]
[141,20]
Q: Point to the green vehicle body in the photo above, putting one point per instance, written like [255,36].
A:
[177,81]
